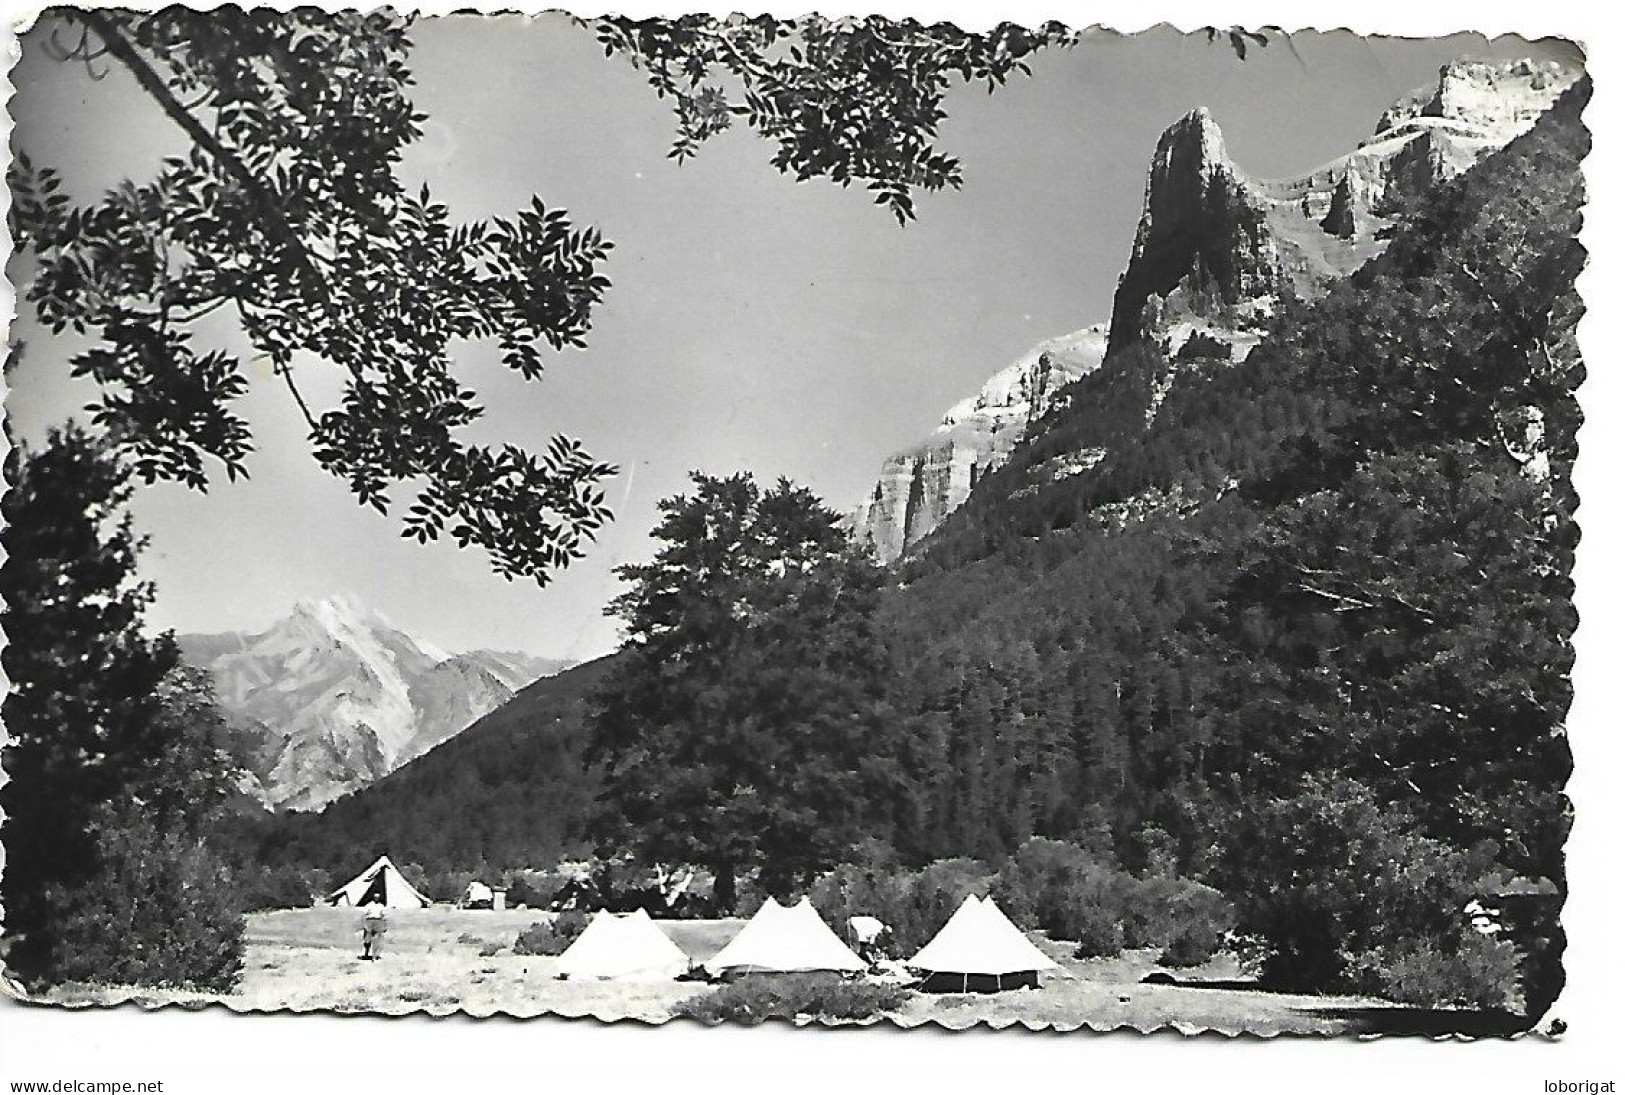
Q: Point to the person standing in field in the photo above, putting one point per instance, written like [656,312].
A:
[373,926]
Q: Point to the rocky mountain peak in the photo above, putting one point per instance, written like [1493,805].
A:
[333,696]
[334,607]
[1195,139]
[1202,237]
[348,620]
[1216,249]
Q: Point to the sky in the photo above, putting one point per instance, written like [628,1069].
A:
[754,323]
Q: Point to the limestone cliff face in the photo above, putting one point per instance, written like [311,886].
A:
[921,485]
[1216,249]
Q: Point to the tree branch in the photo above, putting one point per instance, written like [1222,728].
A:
[1352,603]
[202,310]
[285,370]
[154,85]
[276,224]
[720,37]
[1344,602]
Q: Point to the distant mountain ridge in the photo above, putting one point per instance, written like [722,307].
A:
[334,696]
[513,789]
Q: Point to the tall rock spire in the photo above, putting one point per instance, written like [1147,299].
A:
[1203,236]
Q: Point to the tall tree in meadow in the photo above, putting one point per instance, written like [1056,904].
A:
[84,679]
[747,727]
[108,741]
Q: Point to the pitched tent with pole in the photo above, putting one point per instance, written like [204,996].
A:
[781,940]
[629,946]
[980,950]
[380,884]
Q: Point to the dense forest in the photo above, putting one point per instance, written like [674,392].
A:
[1300,636]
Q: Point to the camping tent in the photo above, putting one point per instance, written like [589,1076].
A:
[628,946]
[380,884]
[979,950]
[781,940]
[867,929]
[477,896]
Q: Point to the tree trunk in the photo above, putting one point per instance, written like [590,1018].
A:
[724,892]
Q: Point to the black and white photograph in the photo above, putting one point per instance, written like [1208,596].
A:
[830,520]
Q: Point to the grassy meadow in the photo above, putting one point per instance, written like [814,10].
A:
[445,960]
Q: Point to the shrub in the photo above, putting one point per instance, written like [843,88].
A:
[1479,972]
[1148,913]
[551,937]
[1342,885]
[1081,906]
[490,949]
[1159,911]
[157,910]
[1082,894]
[449,886]
[1099,934]
[286,887]
[1066,890]
[938,891]
[749,899]
[759,997]
[1192,945]
[1029,885]
[533,889]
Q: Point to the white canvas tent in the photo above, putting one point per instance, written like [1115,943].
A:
[781,940]
[980,950]
[477,896]
[628,946]
[867,929]
[380,884]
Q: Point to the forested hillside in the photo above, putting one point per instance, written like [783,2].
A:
[1349,553]
[1310,627]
